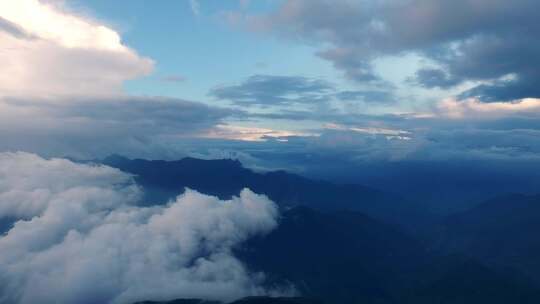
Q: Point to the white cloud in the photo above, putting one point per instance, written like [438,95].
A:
[50,23]
[29,184]
[83,239]
[57,52]
[251,133]
[474,108]
[388,133]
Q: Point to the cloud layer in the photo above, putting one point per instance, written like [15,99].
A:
[268,91]
[466,40]
[81,238]
[90,127]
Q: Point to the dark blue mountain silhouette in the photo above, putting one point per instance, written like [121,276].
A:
[164,180]
[501,232]
[353,244]
[249,300]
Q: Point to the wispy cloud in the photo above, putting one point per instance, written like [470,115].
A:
[174,78]
[195,7]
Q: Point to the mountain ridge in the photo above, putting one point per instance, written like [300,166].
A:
[164,180]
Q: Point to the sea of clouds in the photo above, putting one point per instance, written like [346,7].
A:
[80,236]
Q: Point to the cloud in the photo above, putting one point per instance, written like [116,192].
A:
[389,133]
[475,109]
[30,183]
[13,29]
[356,67]
[195,7]
[244,4]
[434,78]
[174,78]
[367,96]
[82,238]
[61,89]
[506,90]
[251,133]
[271,91]
[46,49]
[466,40]
[95,127]
[453,131]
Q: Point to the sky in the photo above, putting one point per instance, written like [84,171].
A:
[295,81]
[436,100]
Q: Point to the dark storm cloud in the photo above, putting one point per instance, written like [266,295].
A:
[469,39]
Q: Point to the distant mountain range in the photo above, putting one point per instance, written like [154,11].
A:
[338,256]
[164,180]
[354,244]
[454,279]
[250,300]
[500,232]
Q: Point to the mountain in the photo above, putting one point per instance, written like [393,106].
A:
[250,300]
[445,187]
[341,257]
[500,232]
[163,180]
[464,281]
[266,300]
[181,301]
[347,243]
[348,257]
